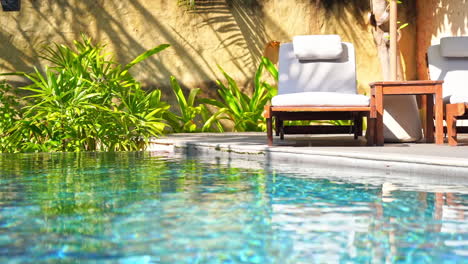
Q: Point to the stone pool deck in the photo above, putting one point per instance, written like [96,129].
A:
[328,150]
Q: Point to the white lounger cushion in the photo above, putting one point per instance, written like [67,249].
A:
[317,47]
[453,71]
[320,99]
[459,98]
[454,47]
[297,76]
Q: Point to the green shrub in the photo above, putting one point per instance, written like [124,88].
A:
[9,113]
[87,101]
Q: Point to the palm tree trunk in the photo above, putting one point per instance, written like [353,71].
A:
[401,118]
[379,20]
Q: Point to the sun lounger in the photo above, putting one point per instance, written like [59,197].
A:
[317,81]
[448,61]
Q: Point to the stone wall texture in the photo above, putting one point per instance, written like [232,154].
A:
[228,33]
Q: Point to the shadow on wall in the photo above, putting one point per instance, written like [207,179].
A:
[455,11]
[239,29]
[132,27]
[229,33]
[340,10]
[355,6]
[436,19]
[348,19]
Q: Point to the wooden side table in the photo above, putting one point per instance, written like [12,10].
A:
[428,90]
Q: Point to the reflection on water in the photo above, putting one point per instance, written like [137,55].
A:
[140,208]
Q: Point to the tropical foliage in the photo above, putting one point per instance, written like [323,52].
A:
[9,113]
[86,101]
[244,111]
[193,117]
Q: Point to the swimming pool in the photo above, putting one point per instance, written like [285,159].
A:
[142,207]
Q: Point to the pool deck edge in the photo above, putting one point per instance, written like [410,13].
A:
[424,158]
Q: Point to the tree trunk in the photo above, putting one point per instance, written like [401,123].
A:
[379,20]
[401,118]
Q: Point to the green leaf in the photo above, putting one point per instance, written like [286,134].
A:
[193,94]
[13,73]
[146,54]
[271,68]
[179,96]
[403,26]
[211,102]
[214,119]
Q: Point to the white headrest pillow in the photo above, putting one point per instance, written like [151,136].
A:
[454,46]
[317,47]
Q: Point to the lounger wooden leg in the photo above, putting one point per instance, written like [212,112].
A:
[452,111]
[278,125]
[370,133]
[269,131]
[357,126]
[267,113]
[360,125]
[452,130]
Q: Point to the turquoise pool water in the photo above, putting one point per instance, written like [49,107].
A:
[142,208]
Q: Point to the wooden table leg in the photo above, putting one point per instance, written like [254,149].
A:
[370,133]
[423,108]
[429,114]
[439,115]
[429,90]
[379,126]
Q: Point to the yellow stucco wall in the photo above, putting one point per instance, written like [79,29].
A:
[437,19]
[231,34]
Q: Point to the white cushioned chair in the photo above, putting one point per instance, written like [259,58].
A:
[317,81]
[448,61]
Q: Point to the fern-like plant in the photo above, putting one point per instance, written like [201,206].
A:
[87,101]
[194,116]
[244,111]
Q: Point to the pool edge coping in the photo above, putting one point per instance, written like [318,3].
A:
[455,167]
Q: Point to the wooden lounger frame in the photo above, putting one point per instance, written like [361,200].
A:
[454,112]
[286,113]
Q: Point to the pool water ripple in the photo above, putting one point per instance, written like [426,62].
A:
[143,208]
